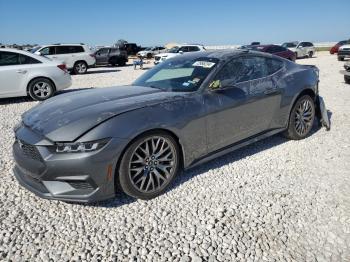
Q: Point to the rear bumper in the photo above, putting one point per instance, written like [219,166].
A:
[75,177]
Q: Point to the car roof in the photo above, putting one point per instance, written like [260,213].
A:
[220,54]
[27,53]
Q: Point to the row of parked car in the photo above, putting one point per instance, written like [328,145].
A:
[46,69]
[288,50]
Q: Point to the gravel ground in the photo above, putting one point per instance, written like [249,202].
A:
[276,200]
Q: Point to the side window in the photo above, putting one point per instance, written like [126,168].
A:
[302,44]
[242,69]
[76,49]
[50,50]
[184,49]
[273,65]
[271,49]
[9,58]
[279,49]
[103,51]
[60,50]
[26,60]
[193,48]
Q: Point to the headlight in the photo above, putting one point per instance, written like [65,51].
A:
[81,147]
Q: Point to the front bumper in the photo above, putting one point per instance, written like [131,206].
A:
[75,177]
[344,53]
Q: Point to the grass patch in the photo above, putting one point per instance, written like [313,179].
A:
[323,48]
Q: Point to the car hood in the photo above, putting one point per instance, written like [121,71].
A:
[66,117]
[344,47]
[293,49]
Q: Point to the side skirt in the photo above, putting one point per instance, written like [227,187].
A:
[234,147]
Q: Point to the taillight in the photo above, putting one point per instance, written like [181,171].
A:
[62,67]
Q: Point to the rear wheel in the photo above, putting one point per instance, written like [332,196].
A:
[80,68]
[311,54]
[347,79]
[301,118]
[41,89]
[149,55]
[340,58]
[122,63]
[149,165]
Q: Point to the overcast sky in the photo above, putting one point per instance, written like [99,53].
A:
[156,22]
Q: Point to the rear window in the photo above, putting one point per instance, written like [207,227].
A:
[26,60]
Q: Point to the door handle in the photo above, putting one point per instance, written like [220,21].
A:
[21,71]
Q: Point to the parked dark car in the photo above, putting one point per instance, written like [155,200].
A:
[82,146]
[276,50]
[335,48]
[131,48]
[111,56]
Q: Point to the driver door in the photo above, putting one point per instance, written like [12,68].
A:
[240,102]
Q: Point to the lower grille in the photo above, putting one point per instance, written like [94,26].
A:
[30,151]
[80,184]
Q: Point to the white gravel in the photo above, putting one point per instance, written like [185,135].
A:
[276,200]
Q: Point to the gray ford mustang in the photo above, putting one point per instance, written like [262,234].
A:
[84,146]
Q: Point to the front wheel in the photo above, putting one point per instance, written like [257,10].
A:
[149,165]
[41,89]
[311,54]
[340,58]
[80,68]
[301,118]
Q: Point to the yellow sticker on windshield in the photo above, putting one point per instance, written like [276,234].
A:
[204,64]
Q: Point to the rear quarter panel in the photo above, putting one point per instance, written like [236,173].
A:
[295,80]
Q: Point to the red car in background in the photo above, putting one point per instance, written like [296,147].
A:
[275,50]
[335,48]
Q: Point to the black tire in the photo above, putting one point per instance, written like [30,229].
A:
[122,63]
[80,68]
[300,128]
[311,54]
[347,79]
[296,55]
[41,89]
[340,58]
[136,184]
[149,55]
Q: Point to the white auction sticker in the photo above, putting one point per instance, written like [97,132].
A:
[205,64]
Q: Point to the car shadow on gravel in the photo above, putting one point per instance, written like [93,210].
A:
[105,71]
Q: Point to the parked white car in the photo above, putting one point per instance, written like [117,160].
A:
[77,57]
[149,52]
[301,49]
[177,50]
[23,73]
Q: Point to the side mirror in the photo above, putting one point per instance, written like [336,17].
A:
[181,52]
[38,53]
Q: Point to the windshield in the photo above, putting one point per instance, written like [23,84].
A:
[289,45]
[33,50]
[179,74]
[148,49]
[174,49]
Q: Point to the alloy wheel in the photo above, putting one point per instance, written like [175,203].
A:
[304,116]
[42,90]
[152,164]
[81,68]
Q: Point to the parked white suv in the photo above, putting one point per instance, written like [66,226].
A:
[149,52]
[23,73]
[177,50]
[77,57]
[301,49]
